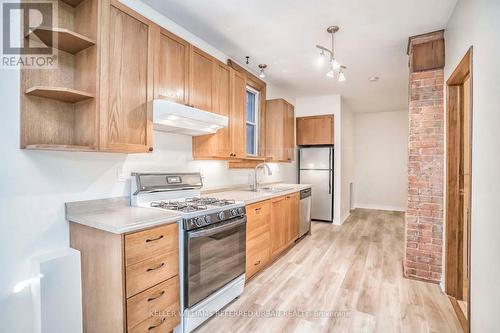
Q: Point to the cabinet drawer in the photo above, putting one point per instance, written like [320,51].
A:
[258,216]
[258,253]
[158,298]
[150,243]
[165,321]
[150,272]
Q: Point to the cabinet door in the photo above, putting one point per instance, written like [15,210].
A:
[293,217]
[172,68]
[315,130]
[202,80]
[237,119]
[275,130]
[126,80]
[290,132]
[278,224]
[218,145]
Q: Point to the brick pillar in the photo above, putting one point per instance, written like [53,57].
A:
[424,214]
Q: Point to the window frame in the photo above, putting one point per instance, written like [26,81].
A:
[256,123]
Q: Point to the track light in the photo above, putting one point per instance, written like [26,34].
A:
[335,67]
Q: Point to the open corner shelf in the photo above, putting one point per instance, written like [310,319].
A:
[59,147]
[73,3]
[59,93]
[67,40]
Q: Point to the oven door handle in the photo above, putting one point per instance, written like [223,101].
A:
[215,230]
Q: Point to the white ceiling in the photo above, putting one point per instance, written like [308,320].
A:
[283,33]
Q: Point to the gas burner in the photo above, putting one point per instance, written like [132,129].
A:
[185,207]
[210,201]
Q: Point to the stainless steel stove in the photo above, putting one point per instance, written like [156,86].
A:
[212,241]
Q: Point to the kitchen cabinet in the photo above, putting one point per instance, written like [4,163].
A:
[315,130]
[279,224]
[280,131]
[128,44]
[137,277]
[258,249]
[228,142]
[172,68]
[293,219]
[202,80]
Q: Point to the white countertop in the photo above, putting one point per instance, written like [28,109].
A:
[249,197]
[116,216]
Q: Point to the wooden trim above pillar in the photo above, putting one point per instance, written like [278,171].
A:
[426,51]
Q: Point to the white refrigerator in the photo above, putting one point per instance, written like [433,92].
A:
[316,168]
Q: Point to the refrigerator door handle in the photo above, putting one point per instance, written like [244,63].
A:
[330,182]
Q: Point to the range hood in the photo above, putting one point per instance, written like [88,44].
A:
[178,118]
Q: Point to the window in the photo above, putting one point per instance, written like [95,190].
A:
[252,117]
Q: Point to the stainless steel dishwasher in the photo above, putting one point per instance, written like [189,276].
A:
[305,212]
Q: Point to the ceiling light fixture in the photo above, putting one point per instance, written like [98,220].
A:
[335,66]
[373,78]
[262,67]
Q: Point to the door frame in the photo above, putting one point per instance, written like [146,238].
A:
[454,210]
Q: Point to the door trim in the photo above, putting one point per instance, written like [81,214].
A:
[454,215]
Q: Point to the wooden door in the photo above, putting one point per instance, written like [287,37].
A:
[290,132]
[466,190]
[275,130]
[237,119]
[126,80]
[315,130]
[293,217]
[172,68]
[279,208]
[458,188]
[202,80]
[218,145]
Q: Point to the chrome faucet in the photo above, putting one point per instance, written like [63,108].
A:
[268,171]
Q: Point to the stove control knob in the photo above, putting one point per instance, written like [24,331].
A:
[234,212]
[221,215]
[198,221]
[240,211]
[208,219]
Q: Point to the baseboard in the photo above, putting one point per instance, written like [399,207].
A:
[380,207]
[345,217]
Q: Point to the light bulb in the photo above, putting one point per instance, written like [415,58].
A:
[262,74]
[335,65]
[321,59]
[330,73]
[341,77]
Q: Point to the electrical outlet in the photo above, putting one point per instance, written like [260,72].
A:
[119,175]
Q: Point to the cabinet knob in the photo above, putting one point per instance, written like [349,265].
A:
[150,149]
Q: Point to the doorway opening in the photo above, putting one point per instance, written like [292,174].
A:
[458,187]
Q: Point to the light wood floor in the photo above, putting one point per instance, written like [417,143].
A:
[355,268]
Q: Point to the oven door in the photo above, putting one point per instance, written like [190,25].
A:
[214,256]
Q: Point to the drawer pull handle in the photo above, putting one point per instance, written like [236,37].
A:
[258,209]
[155,268]
[156,297]
[257,263]
[155,326]
[154,239]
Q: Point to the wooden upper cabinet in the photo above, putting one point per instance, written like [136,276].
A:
[126,80]
[202,80]
[172,68]
[218,145]
[230,98]
[237,118]
[280,130]
[315,130]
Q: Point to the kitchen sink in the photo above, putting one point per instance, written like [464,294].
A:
[274,189]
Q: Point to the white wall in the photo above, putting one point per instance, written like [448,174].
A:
[381,159]
[320,105]
[35,185]
[348,161]
[476,23]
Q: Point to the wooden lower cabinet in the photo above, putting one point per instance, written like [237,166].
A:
[272,227]
[130,283]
